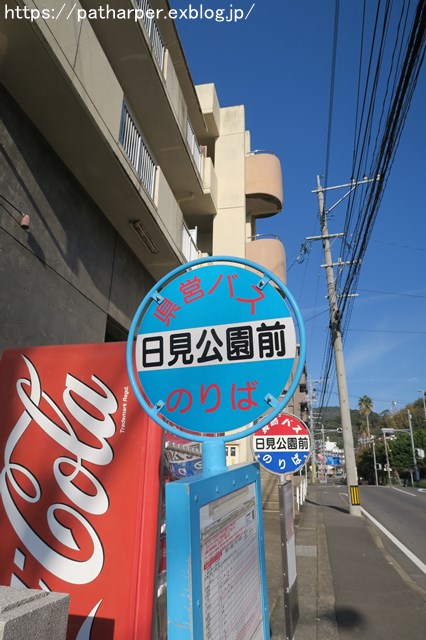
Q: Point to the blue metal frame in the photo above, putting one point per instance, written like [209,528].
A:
[277,405]
[184,499]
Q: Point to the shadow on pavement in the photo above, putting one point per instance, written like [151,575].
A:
[329,506]
[348,618]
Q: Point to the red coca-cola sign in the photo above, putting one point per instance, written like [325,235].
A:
[79,486]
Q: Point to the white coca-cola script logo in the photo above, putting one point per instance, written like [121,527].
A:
[69,569]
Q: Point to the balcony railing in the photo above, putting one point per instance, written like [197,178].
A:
[189,243]
[264,236]
[152,30]
[193,145]
[137,152]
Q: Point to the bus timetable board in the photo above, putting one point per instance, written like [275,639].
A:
[231,582]
[217,549]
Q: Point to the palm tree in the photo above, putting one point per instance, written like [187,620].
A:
[365,406]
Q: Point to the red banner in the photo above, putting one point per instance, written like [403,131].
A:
[79,484]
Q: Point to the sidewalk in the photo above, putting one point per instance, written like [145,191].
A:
[348,587]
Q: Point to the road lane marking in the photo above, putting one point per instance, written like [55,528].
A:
[407,493]
[419,564]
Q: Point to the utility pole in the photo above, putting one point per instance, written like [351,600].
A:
[416,469]
[373,442]
[311,395]
[311,428]
[336,338]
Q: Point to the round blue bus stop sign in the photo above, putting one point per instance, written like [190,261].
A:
[283,445]
[215,345]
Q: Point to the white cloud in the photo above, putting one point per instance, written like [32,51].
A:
[370,352]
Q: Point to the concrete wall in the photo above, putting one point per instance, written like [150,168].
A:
[210,184]
[81,55]
[60,279]
[210,107]
[171,218]
[175,94]
[229,226]
[270,253]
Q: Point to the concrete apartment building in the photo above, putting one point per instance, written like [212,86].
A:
[125,169]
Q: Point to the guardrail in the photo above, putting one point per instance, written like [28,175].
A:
[300,491]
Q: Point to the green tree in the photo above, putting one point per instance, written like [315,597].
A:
[401,452]
[365,407]
[365,464]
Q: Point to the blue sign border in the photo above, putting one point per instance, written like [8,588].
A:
[276,405]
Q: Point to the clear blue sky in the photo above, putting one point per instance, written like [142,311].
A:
[278,64]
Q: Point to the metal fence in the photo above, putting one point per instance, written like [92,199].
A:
[136,151]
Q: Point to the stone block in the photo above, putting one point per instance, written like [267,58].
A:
[29,613]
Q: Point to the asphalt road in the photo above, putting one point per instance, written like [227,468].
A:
[379,592]
[402,511]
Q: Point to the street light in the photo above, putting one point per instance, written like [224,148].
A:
[387,454]
[373,442]
[410,431]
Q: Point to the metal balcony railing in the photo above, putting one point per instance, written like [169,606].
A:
[264,236]
[189,243]
[136,151]
[257,152]
[152,31]
[193,145]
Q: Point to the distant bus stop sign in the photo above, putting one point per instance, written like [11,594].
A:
[282,446]
[215,346]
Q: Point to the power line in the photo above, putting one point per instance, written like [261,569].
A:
[390,140]
[375,399]
[400,246]
[332,85]
[393,293]
[320,313]
[406,57]
[387,331]
[394,124]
